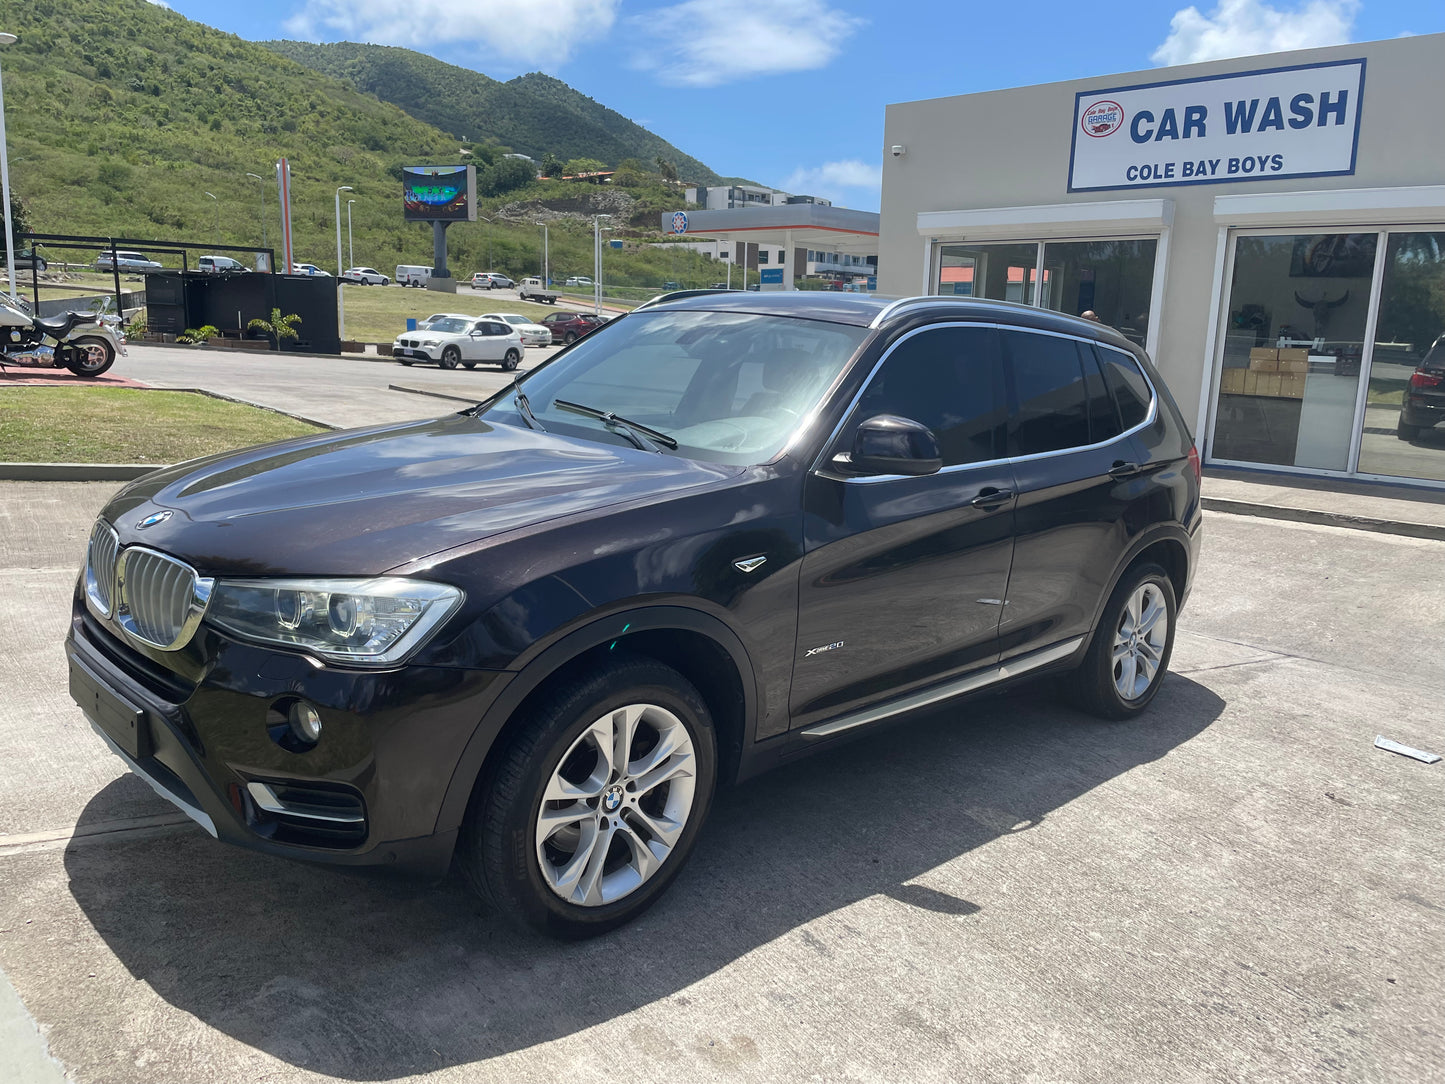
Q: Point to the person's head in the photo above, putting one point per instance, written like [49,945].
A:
[1090,314]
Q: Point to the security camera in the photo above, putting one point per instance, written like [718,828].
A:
[896,150]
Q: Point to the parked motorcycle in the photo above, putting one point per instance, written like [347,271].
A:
[82,342]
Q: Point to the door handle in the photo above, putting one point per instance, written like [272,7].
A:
[992,498]
[1121,469]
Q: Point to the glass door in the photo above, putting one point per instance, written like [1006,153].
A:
[997,272]
[1293,347]
[1111,279]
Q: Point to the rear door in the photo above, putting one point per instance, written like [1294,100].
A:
[1077,471]
[903,578]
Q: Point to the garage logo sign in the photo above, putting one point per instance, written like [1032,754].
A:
[1302,121]
[679,222]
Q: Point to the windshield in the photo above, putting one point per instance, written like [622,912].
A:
[728,387]
[513,318]
[447,325]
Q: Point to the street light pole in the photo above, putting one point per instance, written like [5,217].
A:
[7,39]
[546,256]
[350,248]
[340,304]
[264,243]
[597,263]
[218,219]
[488,221]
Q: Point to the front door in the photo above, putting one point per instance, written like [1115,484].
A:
[903,578]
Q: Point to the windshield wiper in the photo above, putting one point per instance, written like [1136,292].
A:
[634,431]
[524,408]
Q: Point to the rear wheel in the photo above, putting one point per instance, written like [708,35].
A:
[593,807]
[569,338]
[1129,655]
[1406,432]
[510,361]
[90,355]
[450,357]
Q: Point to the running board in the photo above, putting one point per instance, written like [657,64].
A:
[966,684]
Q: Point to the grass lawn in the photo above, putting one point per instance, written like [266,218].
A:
[377,314]
[129,425]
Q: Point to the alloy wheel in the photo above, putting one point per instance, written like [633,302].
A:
[1140,640]
[616,805]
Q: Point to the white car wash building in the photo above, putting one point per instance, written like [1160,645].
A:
[1271,229]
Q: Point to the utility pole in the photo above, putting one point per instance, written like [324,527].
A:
[350,248]
[340,304]
[264,243]
[546,257]
[597,228]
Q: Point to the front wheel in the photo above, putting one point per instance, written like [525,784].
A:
[595,804]
[569,338]
[90,355]
[450,357]
[1129,655]
[509,362]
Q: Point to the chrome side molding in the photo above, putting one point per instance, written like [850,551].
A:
[968,683]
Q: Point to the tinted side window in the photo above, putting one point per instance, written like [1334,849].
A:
[1048,399]
[1130,389]
[948,379]
[1103,418]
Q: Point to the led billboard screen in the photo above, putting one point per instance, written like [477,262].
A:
[448,193]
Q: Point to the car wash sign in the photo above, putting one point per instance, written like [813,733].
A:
[1263,125]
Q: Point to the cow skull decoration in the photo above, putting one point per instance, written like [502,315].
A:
[1322,309]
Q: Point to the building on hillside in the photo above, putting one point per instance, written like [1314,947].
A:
[729,197]
[1271,228]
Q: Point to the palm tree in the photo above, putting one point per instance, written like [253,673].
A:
[277,328]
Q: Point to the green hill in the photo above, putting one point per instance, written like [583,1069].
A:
[533,114]
[123,115]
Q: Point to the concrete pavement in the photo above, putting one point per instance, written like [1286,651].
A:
[1238,887]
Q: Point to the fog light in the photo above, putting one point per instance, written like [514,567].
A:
[305,722]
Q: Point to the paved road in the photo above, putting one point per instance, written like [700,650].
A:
[1237,888]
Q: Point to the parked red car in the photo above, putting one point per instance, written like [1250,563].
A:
[568,327]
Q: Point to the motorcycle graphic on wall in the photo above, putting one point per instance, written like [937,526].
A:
[83,342]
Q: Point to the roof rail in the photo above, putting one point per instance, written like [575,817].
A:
[893,306]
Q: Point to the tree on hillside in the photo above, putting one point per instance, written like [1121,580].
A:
[576,166]
[22,216]
[505,176]
[551,165]
[666,168]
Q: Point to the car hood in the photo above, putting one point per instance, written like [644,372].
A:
[360,502]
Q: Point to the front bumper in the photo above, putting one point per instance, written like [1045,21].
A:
[369,793]
[420,353]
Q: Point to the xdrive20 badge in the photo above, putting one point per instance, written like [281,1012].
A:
[826,647]
[154,518]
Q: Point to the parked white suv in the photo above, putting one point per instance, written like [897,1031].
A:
[452,341]
[220,265]
[126,261]
[533,334]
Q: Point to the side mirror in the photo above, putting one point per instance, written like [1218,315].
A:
[888,444]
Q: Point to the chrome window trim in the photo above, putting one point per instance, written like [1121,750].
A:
[1149,418]
[201,588]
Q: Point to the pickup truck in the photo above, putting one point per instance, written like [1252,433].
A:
[532,290]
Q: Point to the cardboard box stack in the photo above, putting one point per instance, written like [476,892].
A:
[1277,373]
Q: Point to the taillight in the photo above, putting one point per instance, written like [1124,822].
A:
[1195,465]
[1421,379]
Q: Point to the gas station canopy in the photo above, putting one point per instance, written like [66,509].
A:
[793,226]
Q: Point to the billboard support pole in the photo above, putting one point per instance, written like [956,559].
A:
[439,248]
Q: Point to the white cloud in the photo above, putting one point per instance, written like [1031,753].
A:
[703,43]
[1248,27]
[520,31]
[161,4]
[848,182]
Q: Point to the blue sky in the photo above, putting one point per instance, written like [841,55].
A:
[791,92]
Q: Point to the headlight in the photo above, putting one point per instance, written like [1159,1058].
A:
[429,342]
[375,622]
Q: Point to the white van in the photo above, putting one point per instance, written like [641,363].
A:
[412,275]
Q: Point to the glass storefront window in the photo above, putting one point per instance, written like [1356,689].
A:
[1406,397]
[1293,343]
[997,272]
[1112,279]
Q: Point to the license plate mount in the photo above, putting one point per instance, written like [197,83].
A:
[126,724]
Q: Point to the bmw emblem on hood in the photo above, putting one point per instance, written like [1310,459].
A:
[154,518]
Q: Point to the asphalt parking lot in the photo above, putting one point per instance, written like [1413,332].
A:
[1237,887]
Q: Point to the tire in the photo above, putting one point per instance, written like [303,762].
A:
[450,356]
[1406,432]
[567,742]
[97,352]
[509,362]
[569,338]
[385,281]
[1095,686]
